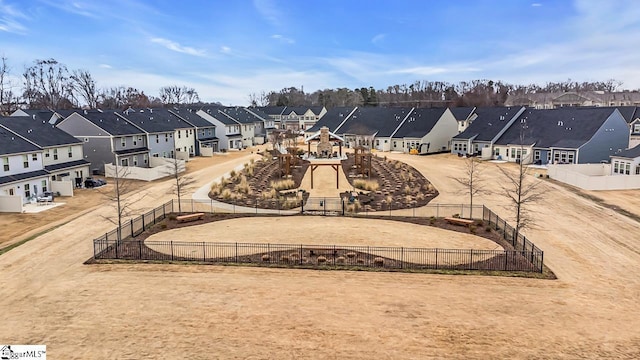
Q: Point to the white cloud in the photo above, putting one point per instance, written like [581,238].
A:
[378,38]
[536,5]
[269,11]
[225,50]
[174,46]
[9,16]
[283,39]
[434,70]
[105,66]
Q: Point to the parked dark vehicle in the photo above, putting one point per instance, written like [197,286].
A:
[91,182]
[46,196]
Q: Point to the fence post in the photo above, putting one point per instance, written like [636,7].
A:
[204,252]
[541,261]
[131,225]
[401,257]
[236,252]
[506,259]
[300,254]
[334,255]
[139,250]
[471,259]
[94,249]
[171,244]
[154,216]
[342,200]
[436,258]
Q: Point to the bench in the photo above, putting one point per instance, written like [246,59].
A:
[458,221]
[190,217]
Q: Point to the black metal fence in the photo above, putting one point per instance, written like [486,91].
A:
[108,247]
[517,240]
[316,256]
[327,206]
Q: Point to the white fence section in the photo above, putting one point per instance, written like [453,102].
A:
[161,167]
[206,151]
[181,155]
[64,187]
[11,203]
[593,177]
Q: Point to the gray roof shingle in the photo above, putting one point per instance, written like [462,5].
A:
[420,122]
[42,134]
[489,123]
[11,143]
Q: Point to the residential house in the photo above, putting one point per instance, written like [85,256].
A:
[332,119]
[626,162]
[489,124]
[62,154]
[564,136]
[426,130]
[205,130]
[373,127]
[22,171]
[464,116]
[267,121]
[227,129]
[159,127]
[301,118]
[274,113]
[108,138]
[631,115]
[250,124]
[553,100]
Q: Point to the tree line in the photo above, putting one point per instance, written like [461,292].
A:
[423,94]
[49,84]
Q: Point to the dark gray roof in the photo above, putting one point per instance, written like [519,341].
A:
[271,110]
[489,123]
[155,120]
[241,115]
[23,176]
[332,119]
[215,112]
[66,165]
[632,153]
[461,113]
[299,110]
[190,116]
[372,120]
[39,115]
[11,143]
[258,112]
[560,128]
[420,122]
[110,122]
[42,134]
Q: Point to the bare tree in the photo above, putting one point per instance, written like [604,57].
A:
[121,199]
[47,85]
[85,86]
[472,180]
[183,183]
[122,97]
[261,99]
[177,95]
[8,100]
[521,190]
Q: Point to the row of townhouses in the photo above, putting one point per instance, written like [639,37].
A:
[566,135]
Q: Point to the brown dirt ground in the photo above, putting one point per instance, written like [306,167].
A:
[168,311]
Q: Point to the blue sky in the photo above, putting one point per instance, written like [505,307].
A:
[228,49]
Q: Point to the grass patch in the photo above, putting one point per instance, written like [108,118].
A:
[13,246]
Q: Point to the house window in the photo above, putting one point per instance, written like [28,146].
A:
[179,135]
[627,169]
[70,151]
[556,157]
[496,151]
[86,139]
[5,162]
[394,144]
[637,170]
[571,156]
[155,155]
[157,138]
[563,156]
[46,153]
[171,154]
[27,191]
[548,156]
[25,161]
[124,162]
[135,161]
[145,158]
[455,146]
[44,185]
[513,152]
[166,138]
[123,142]
[34,157]
[55,154]
[164,154]
[210,132]
[189,132]
[536,155]
[615,167]
[636,128]
[135,141]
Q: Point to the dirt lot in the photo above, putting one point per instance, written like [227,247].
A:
[203,312]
